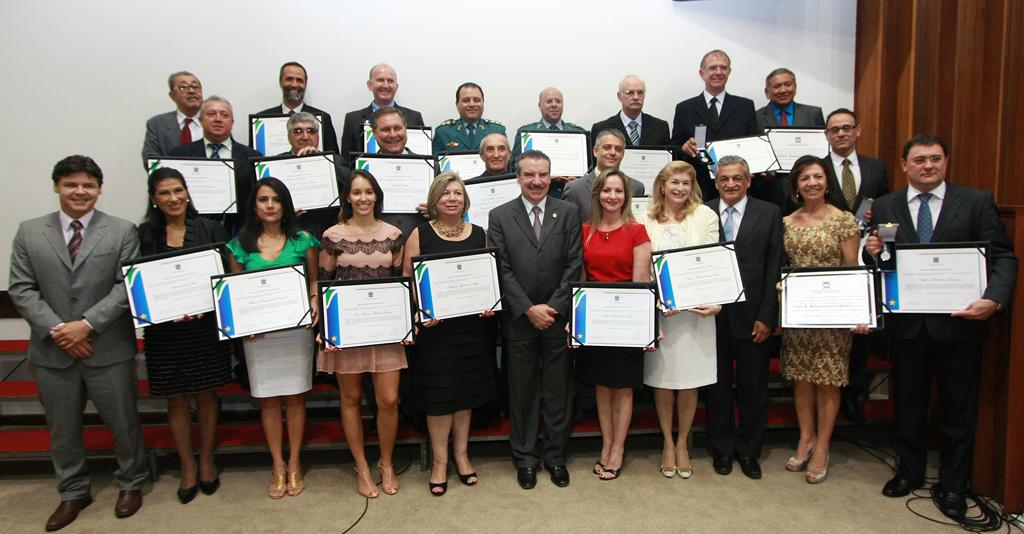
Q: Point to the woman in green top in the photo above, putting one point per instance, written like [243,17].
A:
[280,364]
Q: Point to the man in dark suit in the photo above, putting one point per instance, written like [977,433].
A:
[853,178]
[82,343]
[179,127]
[946,347]
[725,115]
[217,118]
[639,128]
[780,90]
[293,78]
[383,83]
[390,128]
[540,243]
[744,327]
[609,149]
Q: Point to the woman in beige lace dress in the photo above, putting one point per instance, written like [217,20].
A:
[817,234]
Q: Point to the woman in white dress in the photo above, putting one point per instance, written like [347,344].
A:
[686,359]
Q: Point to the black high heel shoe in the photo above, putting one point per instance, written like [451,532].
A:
[185,495]
[465,478]
[435,485]
[209,487]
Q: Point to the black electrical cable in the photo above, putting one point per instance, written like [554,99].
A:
[366,503]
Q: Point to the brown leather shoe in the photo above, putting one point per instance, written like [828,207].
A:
[66,513]
[128,502]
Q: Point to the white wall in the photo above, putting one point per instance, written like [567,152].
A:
[83,76]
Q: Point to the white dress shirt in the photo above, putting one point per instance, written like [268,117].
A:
[934,203]
[65,224]
[837,162]
[225,151]
[194,127]
[737,217]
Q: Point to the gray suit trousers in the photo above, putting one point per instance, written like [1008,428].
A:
[113,390]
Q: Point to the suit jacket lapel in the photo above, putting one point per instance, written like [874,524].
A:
[749,220]
[523,220]
[93,235]
[702,110]
[903,218]
[727,108]
[55,235]
[950,205]
[548,225]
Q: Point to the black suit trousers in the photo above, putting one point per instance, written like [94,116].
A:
[540,374]
[956,368]
[751,396]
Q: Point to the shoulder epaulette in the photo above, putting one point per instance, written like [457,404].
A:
[447,122]
[490,121]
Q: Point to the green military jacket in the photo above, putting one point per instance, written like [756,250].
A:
[453,136]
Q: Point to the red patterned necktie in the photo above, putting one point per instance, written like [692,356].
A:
[186,133]
[76,240]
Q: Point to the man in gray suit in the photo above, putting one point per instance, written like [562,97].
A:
[540,244]
[609,148]
[66,282]
[179,127]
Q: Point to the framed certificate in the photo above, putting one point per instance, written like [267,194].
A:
[614,314]
[790,144]
[756,150]
[311,180]
[360,313]
[419,140]
[936,277]
[698,276]
[466,164]
[640,205]
[830,297]
[405,179]
[261,301]
[268,134]
[569,151]
[457,283]
[210,182]
[169,286]
[644,163]
[487,193]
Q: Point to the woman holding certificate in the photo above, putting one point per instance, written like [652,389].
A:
[817,234]
[361,246]
[280,363]
[686,358]
[184,359]
[615,249]
[454,367]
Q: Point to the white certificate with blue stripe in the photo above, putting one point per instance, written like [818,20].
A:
[703,275]
[311,180]
[360,313]
[456,284]
[268,134]
[466,164]
[613,315]
[568,151]
[165,287]
[261,301]
[419,140]
[936,277]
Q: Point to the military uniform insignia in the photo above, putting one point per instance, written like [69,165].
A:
[453,144]
[447,122]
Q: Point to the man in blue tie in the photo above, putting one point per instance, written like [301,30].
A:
[944,346]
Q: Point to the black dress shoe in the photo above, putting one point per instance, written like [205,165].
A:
[527,477]
[723,465]
[952,504]
[899,487]
[185,495]
[851,409]
[559,475]
[209,487]
[749,466]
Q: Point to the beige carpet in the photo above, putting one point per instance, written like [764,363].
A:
[640,501]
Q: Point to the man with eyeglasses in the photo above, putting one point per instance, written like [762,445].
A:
[724,114]
[639,128]
[292,77]
[854,178]
[179,127]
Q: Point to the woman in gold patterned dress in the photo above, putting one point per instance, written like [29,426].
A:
[817,234]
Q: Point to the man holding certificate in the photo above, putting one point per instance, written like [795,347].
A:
[744,328]
[551,105]
[609,148]
[390,129]
[292,77]
[948,346]
[539,241]
[383,84]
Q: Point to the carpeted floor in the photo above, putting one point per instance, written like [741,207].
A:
[640,501]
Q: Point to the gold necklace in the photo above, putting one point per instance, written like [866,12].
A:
[444,230]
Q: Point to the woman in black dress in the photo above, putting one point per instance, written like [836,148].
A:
[454,365]
[184,359]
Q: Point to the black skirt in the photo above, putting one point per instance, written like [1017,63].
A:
[184,358]
[614,367]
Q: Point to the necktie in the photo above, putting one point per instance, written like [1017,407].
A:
[713,109]
[785,119]
[634,133]
[730,224]
[849,185]
[924,219]
[291,112]
[215,150]
[186,133]
[471,130]
[553,127]
[76,240]
[536,221]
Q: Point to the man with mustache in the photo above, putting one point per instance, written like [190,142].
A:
[293,78]
[495,152]
[179,127]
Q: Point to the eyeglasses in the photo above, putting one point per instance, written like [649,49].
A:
[184,88]
[300,131]
[844,128]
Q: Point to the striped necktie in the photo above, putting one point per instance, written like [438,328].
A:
[215,150]
[634,133]
[849,185]
[76,240]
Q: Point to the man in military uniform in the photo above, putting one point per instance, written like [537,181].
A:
[551,105]
[466,132]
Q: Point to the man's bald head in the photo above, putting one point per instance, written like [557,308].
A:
[551,104]
[383,83]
